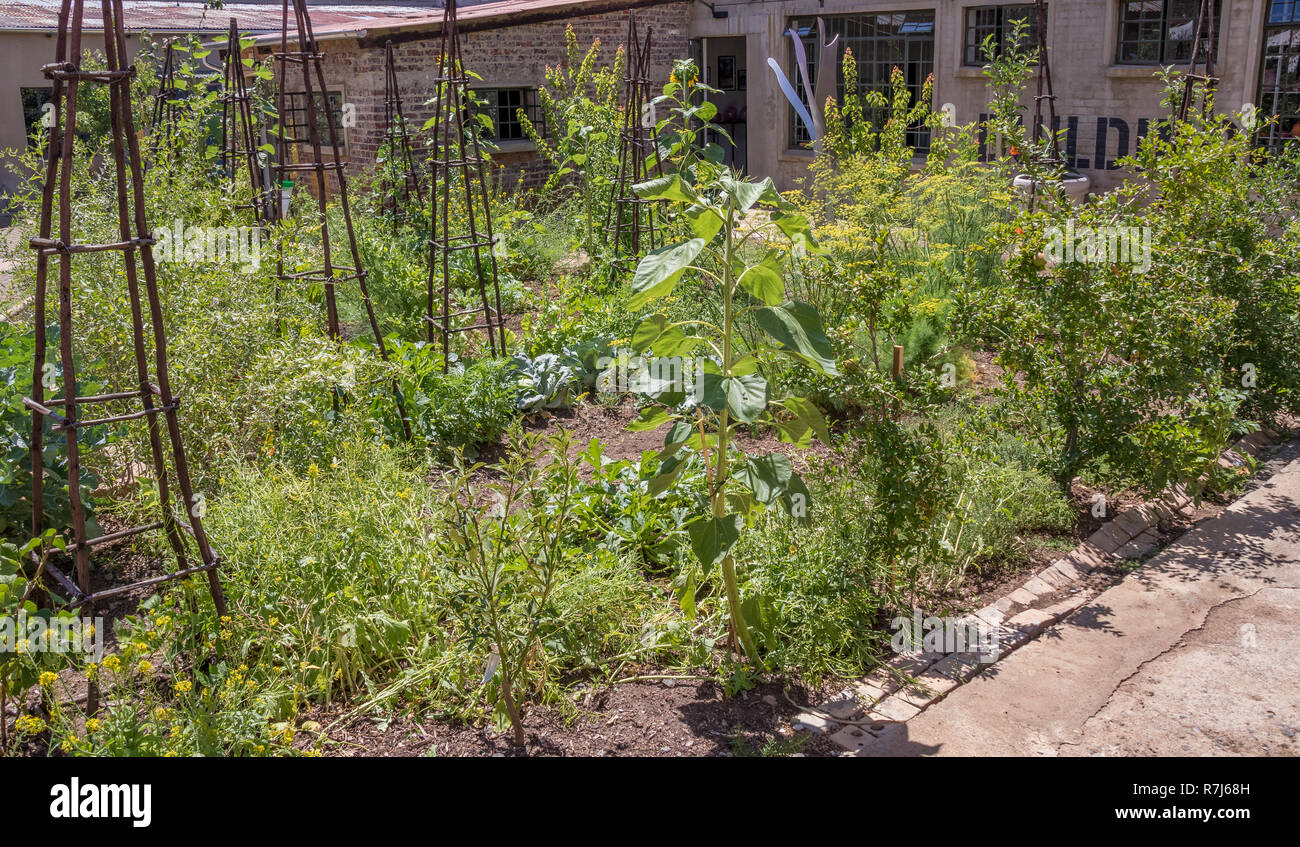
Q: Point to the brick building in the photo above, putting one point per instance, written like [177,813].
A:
[508,44]
[1104,56]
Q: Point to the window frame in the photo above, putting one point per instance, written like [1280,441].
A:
[971,56]
[1282,16]
[1163,42]
[528,104]
[902,45]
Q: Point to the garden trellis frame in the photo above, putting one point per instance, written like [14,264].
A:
[631,220]
[1205,33]
[238,144]
[153,390]
[396,194]
[458,158]
[1045,154]
[308,58]
[164,104]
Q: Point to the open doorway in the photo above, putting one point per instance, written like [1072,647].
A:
[723,60]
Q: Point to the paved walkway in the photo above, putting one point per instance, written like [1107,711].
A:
[1197,653]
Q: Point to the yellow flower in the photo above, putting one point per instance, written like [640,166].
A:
[144,667]
[92,671]
[162,713]
[113,663]
[29,724]
[274,621]
[171,754]
[48,678]
[312,470]
[183,687]
[93,725]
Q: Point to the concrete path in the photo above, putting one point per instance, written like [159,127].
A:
[1195,654]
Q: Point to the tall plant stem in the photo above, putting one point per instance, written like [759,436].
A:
[720,478]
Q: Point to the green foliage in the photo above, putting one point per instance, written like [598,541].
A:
[17,354]
[506,560]
[579,103]
[732,392]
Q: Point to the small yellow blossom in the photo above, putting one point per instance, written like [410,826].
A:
[93,725]
[113,663]
[48,678]
[145,666]
[29,724]
[183,687]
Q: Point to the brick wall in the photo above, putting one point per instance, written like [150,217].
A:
[514,57]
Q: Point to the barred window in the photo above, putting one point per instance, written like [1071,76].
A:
[295,118]
[998,22]
[1160,32]
[503,105]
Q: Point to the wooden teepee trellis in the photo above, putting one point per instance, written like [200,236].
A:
[164,104]
[151,396]
[458,164]
[1205,34]
[1047,149]
[238,145]
[399,178]
[306,57]
[630,220]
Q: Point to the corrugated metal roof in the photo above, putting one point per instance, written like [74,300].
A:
[196,16]
[494,13]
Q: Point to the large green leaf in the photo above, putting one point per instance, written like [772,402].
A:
[808,421]
[764,280]
[671,187]
[797,328]
[659,271]
[712,538]
[651,417]
[705,221]
[766,476]
[746,396]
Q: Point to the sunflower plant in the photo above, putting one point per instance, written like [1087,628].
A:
[743,235]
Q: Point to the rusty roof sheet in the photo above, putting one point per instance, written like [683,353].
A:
[196,16]
[502,12]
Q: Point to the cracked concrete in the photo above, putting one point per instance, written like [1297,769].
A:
[1193,654]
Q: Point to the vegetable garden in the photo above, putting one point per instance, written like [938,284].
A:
[720,467]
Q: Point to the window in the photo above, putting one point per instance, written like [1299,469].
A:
[880,42]
[503,105]
[998,22]
[34,100]
[1279,79]
[1160,32]
[295,118]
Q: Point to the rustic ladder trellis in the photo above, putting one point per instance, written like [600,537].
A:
[1045,154]
[164,104]
[1045,96]
[308,58]
[153,390]
[458,159]
[238,144]
[630,220]
[396,193]
[1205,34]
